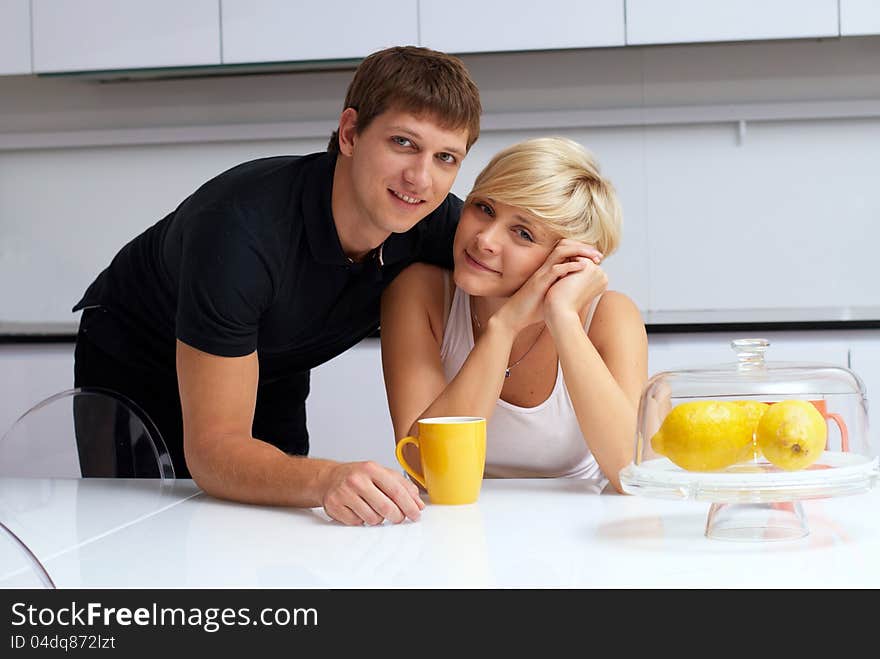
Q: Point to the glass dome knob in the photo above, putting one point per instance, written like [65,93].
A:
[750,352]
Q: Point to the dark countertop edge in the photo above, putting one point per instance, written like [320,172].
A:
[768,326]
[37,338]
[652,328]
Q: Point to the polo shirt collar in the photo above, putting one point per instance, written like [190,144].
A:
[317,207]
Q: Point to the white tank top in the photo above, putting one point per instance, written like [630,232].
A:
[544,441]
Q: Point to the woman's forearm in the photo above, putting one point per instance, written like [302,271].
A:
[606,416]
[477,385]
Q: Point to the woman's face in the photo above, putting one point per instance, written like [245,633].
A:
[498,247]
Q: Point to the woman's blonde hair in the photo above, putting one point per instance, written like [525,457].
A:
[558,181]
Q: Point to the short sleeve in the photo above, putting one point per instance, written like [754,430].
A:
[226,282]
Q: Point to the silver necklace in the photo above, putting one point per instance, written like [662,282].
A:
[525,354]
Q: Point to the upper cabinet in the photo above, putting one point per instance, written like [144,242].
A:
[55,36]
[465,26]
[97,35]
[686,21]
[859,17]
[15,37]
[281,31]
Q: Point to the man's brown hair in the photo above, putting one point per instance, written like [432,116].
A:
[416,80]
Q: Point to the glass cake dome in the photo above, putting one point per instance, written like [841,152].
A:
[753,437]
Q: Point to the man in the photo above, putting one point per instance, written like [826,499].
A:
[211,319]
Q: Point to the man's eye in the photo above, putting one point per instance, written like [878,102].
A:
[447,158]
[401,141]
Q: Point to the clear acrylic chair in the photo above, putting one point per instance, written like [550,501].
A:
[84,433]
[19,568]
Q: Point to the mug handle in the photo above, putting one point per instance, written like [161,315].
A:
[403,463]
[844,435]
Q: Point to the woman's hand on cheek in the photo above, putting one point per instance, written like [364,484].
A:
[576,290]
[528,305]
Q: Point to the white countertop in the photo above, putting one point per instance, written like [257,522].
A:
[520,534]
[54,517]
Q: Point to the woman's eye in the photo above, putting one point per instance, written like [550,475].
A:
[401,141]
[447,158]
[525,235]
[486,208]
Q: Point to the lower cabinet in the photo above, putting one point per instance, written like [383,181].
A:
[347,409]
[30,373]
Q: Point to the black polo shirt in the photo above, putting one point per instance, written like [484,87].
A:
[252,261]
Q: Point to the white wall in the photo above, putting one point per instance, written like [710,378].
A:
[782,215]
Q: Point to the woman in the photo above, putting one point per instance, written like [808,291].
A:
[527,336]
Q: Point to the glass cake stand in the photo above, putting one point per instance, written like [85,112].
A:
[755,501]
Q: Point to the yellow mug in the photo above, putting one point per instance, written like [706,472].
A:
[453,453]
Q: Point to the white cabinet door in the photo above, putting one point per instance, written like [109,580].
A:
[278,30]
[96,35]
[464,26]
[15,37]
[684,21]
[859,17]
[347,410]
[31,372]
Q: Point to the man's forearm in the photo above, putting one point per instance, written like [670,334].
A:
[252,471]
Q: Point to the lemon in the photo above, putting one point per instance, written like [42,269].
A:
[792,434]
[707,435]
[755,410]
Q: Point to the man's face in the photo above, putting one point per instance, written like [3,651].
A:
[402,168]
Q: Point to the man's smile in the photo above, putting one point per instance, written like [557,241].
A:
[412,201]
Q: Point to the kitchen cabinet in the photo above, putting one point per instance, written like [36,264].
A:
[98,35]
[30,374]
[744,236]
[463,26]
[347,396]
[15,37]
[54,36]
[277,30]
[685,21]
[859,17]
